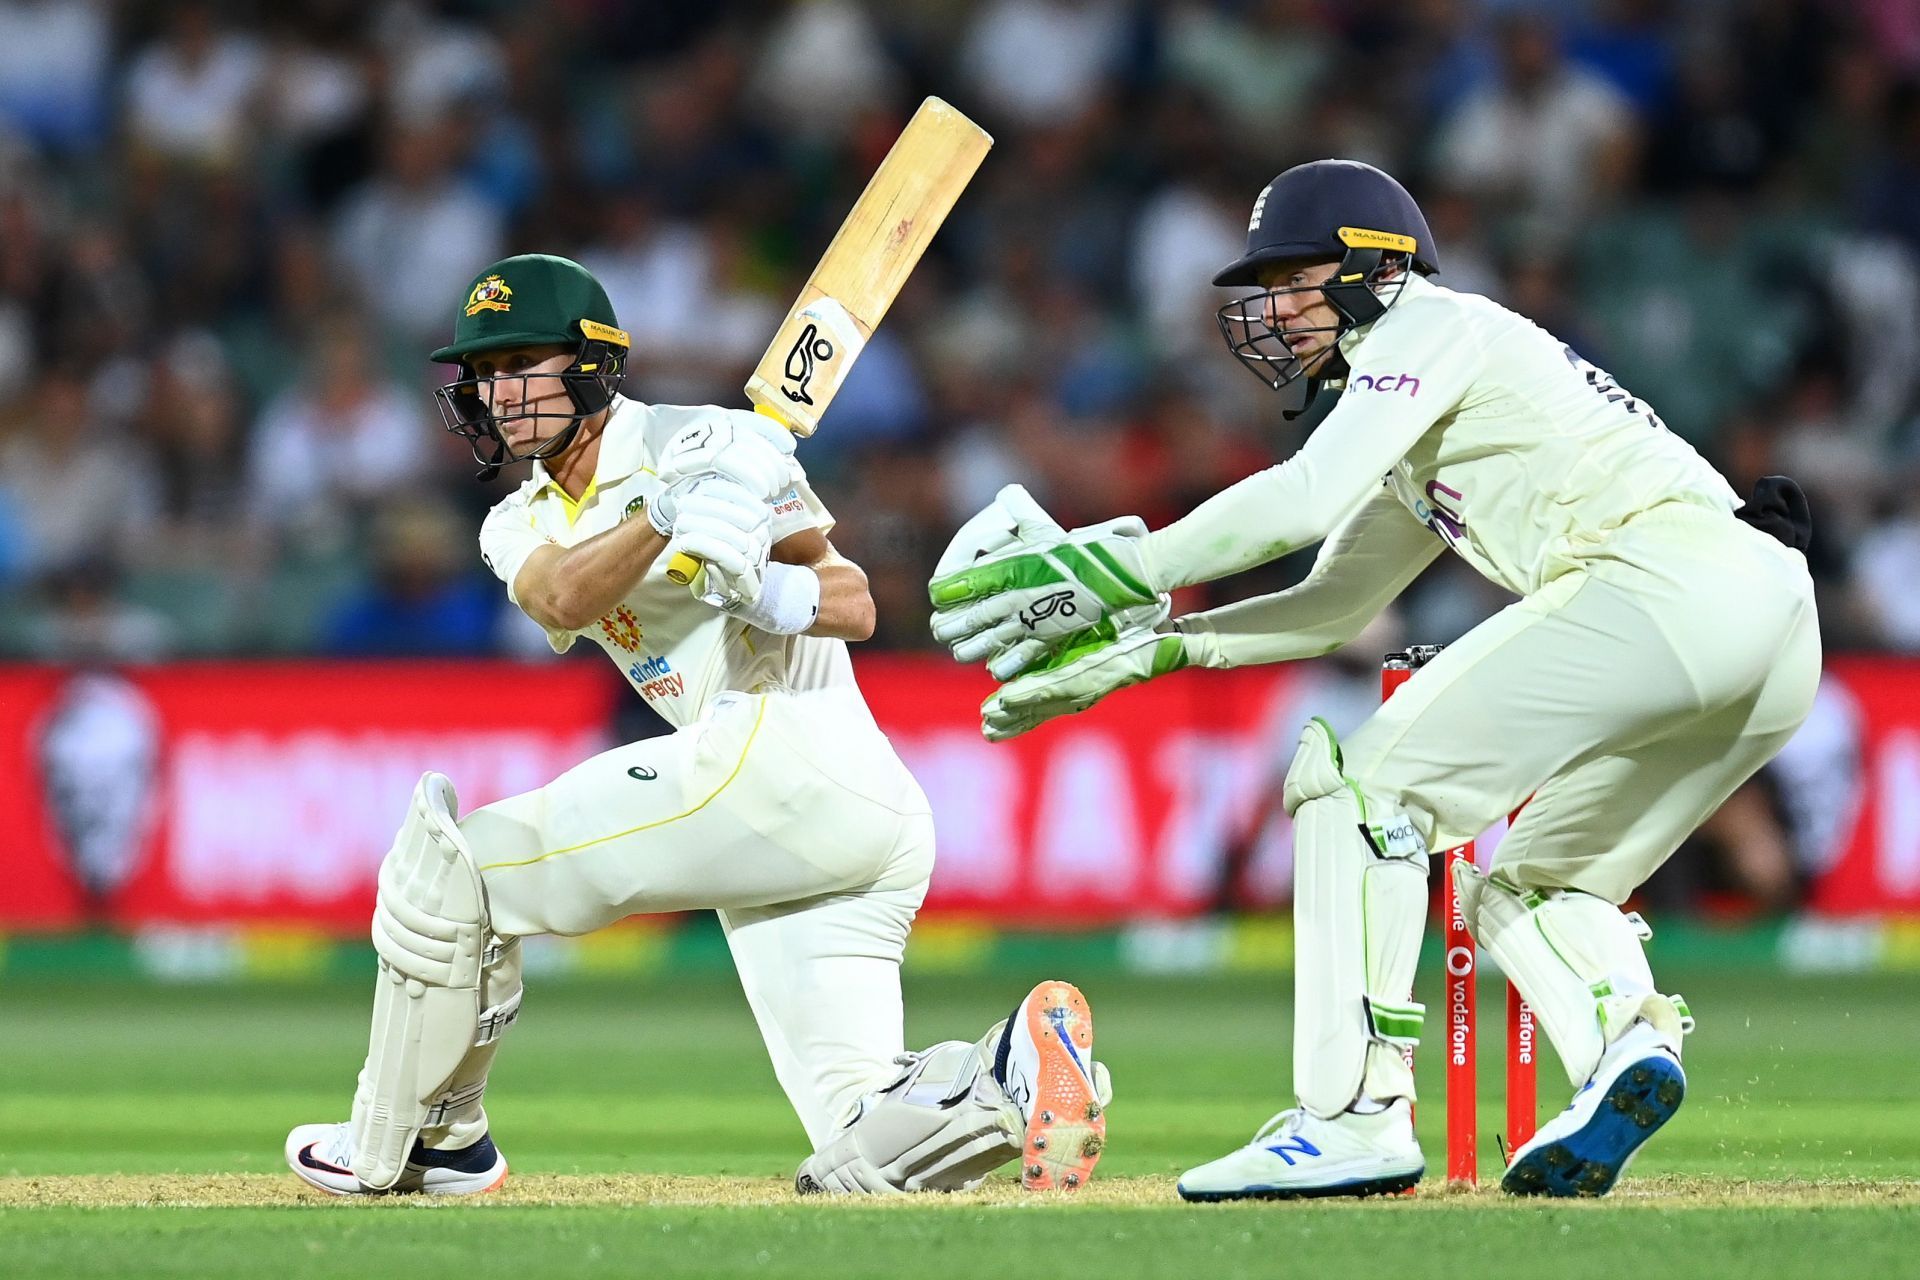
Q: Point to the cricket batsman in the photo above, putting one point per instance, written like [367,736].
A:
[776,800]
[1664,647]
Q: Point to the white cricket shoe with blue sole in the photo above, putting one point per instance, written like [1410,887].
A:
[322,1154]
[1583,1150]
[1298,1155]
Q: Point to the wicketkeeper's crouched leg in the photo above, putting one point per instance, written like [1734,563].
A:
[1360,895]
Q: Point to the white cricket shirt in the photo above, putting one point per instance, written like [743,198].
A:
[1509,448]
[677,652]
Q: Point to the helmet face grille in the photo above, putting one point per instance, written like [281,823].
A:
[1265,350]
[1258,345]
[465,407]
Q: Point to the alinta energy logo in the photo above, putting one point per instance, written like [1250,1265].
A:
[656,678]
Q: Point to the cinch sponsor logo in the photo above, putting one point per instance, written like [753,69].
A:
[656,678]
[1386,382]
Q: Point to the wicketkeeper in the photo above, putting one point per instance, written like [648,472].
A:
[1663,648]
[776,800]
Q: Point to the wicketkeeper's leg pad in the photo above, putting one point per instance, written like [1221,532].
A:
[1359,903]
[1577,959]
[943,1124]
[430,929]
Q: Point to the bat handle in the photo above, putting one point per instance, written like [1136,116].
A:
[683,568]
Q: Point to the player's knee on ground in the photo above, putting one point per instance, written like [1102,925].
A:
[1360,899]
[942,1124]
[1576,958]
[443,996]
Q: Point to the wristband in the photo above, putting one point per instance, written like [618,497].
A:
[788,602]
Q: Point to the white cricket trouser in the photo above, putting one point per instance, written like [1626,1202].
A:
[790,814]
[1623,702]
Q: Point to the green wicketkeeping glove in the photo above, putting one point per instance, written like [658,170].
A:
[1079,677]
[1014,586]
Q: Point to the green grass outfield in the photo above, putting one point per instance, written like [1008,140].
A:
[140,1134]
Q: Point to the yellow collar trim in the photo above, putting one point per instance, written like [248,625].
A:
[571,504]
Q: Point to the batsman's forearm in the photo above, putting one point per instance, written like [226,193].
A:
[846,609]
[582,583]
[846,606]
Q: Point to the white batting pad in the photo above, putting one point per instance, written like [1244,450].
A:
[430,930]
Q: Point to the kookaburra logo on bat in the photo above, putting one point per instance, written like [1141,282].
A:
[810,347]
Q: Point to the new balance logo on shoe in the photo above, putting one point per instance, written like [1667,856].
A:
[1298,1146]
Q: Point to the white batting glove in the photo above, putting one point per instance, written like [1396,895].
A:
[730,529]
[750,449]
[664,507]
[1013,586]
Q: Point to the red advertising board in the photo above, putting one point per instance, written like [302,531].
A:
[213,793]
[1851,776]
[268,792]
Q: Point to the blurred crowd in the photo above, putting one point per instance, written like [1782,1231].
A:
[229,234]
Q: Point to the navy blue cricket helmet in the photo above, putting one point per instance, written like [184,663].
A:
[1323,211]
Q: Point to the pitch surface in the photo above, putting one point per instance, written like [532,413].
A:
[140,1134]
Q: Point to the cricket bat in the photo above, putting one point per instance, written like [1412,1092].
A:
[861,273]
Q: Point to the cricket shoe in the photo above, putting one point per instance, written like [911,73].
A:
[1583,1150]
[322,1154]
[1044,1061]
[1297,1155]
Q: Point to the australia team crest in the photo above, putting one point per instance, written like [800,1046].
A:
[491,294]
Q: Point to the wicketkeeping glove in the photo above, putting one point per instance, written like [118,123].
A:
[1082,677]
[750,449]
[1013,586]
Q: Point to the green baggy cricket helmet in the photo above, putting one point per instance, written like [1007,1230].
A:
[534,299]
